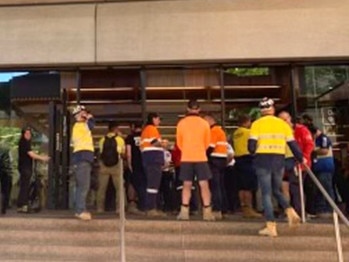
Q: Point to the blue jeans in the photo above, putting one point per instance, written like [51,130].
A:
[82,172]
[326,180]
[270,180]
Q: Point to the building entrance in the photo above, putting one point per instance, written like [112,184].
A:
[126,95]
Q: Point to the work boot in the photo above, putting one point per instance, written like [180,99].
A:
[217,215]
[86,216]
[153,213]
[132,209]
[207,214]
[23,209]
[249,212]
[184,213]
[292,217]
[269,230]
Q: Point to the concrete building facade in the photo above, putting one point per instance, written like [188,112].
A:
[90,33]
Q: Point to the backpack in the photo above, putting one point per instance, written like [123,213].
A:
[110,154]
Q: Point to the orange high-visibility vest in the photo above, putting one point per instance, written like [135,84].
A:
[218,142]
[149,134]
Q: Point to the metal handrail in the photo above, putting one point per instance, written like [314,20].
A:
[336,212]
[122,219]
[327,196]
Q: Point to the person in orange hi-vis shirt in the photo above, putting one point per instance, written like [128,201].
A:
[153,160]
[193,139]
[217,160]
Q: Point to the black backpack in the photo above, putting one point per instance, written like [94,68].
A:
[110,154]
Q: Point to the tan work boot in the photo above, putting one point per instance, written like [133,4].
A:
[86,216]
[153,213]
[184,213]
[249,212]
[132,209]
[269,230]
[207,214]
[292,217]
[217,215]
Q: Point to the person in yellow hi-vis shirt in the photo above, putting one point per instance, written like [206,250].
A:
[112,149]
[245,173]
[269,136]
[82,158]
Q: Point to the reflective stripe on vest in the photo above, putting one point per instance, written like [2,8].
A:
[152,148]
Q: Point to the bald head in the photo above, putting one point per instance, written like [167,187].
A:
[286,117]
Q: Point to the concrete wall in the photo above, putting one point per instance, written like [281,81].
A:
[45,2]
[173,31]
[47,35]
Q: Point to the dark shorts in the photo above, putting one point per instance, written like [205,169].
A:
[199,169]
[245,173]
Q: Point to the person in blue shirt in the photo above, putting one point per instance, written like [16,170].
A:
[324,168]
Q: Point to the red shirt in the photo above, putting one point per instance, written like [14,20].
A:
[176,156]
[305,141]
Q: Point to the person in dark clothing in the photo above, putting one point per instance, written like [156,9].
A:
[135,166]
[25,167]
[5,178]
[153,160]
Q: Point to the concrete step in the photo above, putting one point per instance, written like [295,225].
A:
[60,238]
[68,224]
[250,255]
[232,242]
[48,252]
[145,254]
[229,228]
[170,240]
[26,238]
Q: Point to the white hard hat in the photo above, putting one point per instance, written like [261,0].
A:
[266,103]
[78,109]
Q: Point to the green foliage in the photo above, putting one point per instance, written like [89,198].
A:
[253,112]
[319,79]
[244,71]
[9,136]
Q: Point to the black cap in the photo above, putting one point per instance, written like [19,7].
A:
[193,104]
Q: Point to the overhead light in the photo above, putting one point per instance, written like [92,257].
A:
[125,101]
[246,87]
[103,89]
[169,88]
[242,100]
[172,100]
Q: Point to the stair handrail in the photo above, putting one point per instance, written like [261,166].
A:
[326,195]
[336,212]
[122,219]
